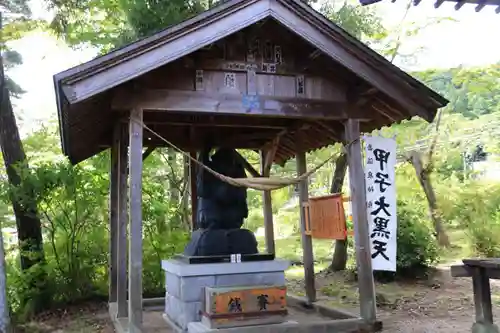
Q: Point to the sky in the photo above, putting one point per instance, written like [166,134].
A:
[467,40]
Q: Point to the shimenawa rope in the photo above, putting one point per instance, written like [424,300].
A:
[256,183]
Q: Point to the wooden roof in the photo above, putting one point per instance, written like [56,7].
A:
[480,4]
[375,89]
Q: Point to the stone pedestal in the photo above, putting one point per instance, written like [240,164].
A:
[186,283]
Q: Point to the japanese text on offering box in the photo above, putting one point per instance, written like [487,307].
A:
[381,201]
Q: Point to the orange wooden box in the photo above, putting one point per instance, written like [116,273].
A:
[325,217]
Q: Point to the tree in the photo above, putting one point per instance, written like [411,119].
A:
[112,23]
[24,205]
[339,259]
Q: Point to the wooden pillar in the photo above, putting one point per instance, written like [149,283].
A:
[194,192]
[135,213]
[366,285]
[113,214]
[482,297]
[122,244]
[307,256]
[267,207]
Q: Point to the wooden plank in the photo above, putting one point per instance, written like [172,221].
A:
[194,191]
[307,249]
[267,206]
[482,296]
[135,211]
[148,152]
[247,166]
[360,220]
[113,213]
[245,299]
[122,310]
[231,104]
[216,124]
[466,271]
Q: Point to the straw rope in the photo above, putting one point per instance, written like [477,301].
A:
[256,183]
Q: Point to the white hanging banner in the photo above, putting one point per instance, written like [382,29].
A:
[381,201]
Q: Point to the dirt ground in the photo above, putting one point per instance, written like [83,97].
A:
[437,305]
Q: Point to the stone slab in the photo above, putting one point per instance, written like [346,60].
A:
[182,313]
[191,288]
[288,327]
[268,320]
[331,326]
[184,269]
[188,289]
[251,279]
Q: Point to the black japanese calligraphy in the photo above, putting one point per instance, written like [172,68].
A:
[380,228]
[382,181]
[380,249]
[234,305]
[263,302]
[381,156]
[382,206]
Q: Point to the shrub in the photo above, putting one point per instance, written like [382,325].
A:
[477,212]
[417,246]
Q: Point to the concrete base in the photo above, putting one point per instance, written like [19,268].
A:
[335,326]
[200,328]
[186,283]
[485,328]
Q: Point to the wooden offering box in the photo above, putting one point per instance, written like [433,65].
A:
[244,306]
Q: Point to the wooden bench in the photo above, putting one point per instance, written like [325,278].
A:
[481,271]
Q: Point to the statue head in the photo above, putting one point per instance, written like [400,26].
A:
[224,156]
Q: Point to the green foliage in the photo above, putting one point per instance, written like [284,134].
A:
[73,201]
[475,209]
[360,22]
[417,247]
[472,91]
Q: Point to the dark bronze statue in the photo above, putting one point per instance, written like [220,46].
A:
[222,208]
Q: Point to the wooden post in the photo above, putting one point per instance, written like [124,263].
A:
[194,192]
[267,207]
[307,249]
[366,285]
[122,245]
[113,214]
[135,213]
[482,296]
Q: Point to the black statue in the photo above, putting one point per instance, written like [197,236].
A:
[222,209]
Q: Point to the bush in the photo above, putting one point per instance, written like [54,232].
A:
[417,246]
[477,212]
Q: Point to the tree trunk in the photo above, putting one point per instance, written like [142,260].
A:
[339,259]
[28,224]
[423,176]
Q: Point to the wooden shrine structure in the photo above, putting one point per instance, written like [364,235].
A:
[274,76]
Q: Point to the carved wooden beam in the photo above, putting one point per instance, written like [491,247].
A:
[232,104]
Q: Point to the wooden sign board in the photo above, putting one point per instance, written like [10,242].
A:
[239,306]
